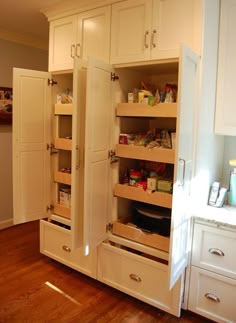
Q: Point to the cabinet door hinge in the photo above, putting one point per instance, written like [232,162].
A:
[49,208]
[114,77]
[51,82]
[109,227]
[52,149]
[112,156]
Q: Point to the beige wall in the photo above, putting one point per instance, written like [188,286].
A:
[13,55]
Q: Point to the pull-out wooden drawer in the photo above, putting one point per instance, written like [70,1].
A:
[139,276]
[214,249]
[55,242]
[212,295]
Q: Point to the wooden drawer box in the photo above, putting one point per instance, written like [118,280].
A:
[138,276]
[214,249]
[55,242]
[121,228]
[212,295]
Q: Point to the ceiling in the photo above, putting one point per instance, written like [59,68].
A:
[23,21]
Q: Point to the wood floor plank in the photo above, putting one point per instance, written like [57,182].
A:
[35,289]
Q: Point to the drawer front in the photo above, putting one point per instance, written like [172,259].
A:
[55,242]
[212,295]
[140,277]
[214,250]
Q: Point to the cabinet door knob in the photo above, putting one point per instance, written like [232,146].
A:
[135,277]
[72,51]
[153,38]
[216,251]
[212,297]
[66,248]
[146,39]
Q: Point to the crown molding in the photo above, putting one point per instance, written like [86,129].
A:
[23,39]
[71,7]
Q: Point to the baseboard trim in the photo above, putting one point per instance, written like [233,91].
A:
[6,224]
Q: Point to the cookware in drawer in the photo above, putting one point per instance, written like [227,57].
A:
[214,249]
[55,242]
[139,276]
[212,295]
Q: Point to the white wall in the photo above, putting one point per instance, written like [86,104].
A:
[13,55]
[229,153]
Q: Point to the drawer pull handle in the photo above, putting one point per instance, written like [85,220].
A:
[135,277]
[212,297]
[66,248]
[216,251]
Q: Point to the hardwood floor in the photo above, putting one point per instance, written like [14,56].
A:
[35,288]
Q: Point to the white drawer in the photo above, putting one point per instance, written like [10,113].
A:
[214,249]
[55,242]
[212,295]
[138,276]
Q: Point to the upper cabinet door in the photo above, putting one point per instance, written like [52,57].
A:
[130,31]
[185,156]
[93,37]
[96,161]
[154,29]
[173,22]
[225,118]
[31,135]
[62,43]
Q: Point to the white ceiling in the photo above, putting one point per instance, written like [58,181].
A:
[22,21]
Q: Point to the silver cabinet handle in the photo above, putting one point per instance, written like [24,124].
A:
[182,178]
[212,297]
[135,277]
[145,39]
[153,38]
[72,51]
[66,248]
[216,251]
[78,50]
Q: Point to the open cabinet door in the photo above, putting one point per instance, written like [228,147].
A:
[78,135]
[186,125]
[31,135]
[97,145]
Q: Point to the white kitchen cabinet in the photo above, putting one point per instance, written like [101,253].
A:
[49,138]
[62,43]
[75,36]
[153,29]
[212,287]
[138,276]
[81,136]
[225,119]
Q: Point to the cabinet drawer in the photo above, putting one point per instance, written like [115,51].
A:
[55,242]
[138,276]
[212,295]
[214,249]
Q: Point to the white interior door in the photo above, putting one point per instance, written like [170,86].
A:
[97,145]
[31,134]
[186,121]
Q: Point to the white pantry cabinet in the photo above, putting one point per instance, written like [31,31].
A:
[225,117]
[81,137]
[153,29]
[74,36]
[212,288]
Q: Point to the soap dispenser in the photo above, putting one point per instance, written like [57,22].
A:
[232,187]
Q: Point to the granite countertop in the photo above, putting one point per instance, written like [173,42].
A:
[224,216]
